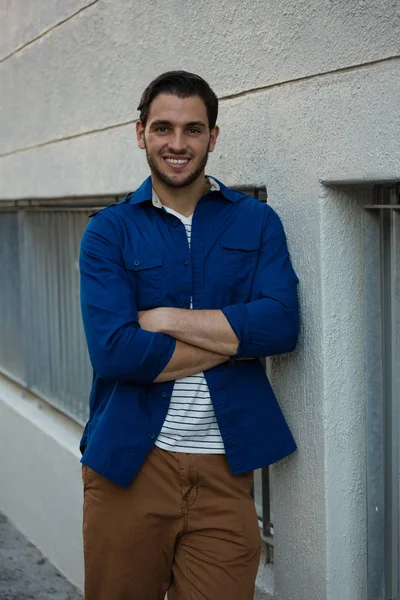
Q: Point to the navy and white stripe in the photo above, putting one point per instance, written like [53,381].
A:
[190,425]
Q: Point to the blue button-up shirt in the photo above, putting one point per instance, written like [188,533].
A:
[136,257]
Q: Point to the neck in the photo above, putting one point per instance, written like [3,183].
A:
[183,200]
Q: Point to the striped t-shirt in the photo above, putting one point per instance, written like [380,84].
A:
[190,425]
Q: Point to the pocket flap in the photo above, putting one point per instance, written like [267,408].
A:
[138,263]
[246,244]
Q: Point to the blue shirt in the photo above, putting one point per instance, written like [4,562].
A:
[136,257]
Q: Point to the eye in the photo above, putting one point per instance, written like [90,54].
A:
[162,129]
[193,130]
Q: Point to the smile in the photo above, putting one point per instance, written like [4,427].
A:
[177,161]
[177,164]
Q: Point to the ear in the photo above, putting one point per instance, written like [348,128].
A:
[140,135]
[214,133]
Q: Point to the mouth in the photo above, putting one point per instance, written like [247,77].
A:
[177,164]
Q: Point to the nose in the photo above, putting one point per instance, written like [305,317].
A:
[176,142]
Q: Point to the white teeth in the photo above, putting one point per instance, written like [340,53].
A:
[177,161]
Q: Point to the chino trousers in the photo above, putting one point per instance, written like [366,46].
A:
[185,526]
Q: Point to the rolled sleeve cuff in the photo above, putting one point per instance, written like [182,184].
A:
[237,317]
[162,351]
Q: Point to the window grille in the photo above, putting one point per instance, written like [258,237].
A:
[258,192]
[382,300]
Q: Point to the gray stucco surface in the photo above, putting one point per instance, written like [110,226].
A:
[24,21]
[25,573]
[89,73]
[291,136]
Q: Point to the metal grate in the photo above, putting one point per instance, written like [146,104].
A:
[257,192]
[382,301]
[56,360]
[385,196]
[42,343]
[11,342]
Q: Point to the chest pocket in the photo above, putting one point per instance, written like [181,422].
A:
[145,274]
[239,261]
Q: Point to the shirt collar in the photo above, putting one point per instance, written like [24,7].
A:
[215,187]
[145,192]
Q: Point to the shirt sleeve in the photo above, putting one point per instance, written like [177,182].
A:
[269,323]
[118,348]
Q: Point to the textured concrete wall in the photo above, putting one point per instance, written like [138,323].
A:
[88,73]
[343,123]
[309,94]
[41,489]
[23,22]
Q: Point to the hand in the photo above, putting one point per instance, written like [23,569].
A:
[151,320]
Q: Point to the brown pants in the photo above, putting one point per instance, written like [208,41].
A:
[185,525]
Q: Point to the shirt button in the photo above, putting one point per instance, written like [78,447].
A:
[176,223]
[164,395]
[185,262]
[136,262]
[152,436]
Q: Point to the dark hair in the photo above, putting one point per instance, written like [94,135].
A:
[183,85]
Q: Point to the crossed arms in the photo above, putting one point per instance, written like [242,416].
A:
[166,343]
[205,339]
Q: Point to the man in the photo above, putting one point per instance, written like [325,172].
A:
[184,285]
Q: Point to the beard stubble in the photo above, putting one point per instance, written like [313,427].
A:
[167,180]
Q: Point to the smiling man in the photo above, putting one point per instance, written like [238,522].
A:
[181,164]
[184,285]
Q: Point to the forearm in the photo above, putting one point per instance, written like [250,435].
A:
[206,329]
[189,360]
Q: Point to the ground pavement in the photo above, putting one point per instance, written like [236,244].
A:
[24,572]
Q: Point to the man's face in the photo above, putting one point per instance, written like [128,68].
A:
[177,139]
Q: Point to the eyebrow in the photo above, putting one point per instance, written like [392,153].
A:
[196,124]
[161,122]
